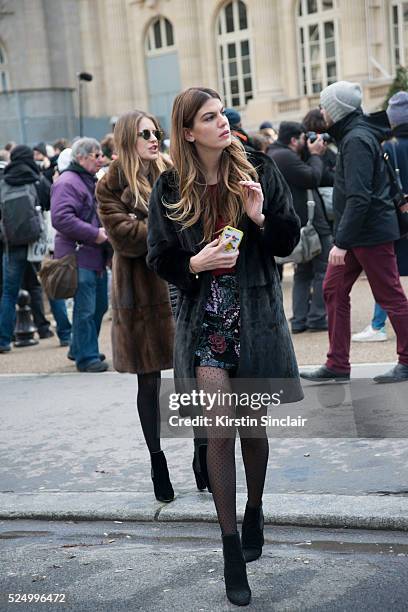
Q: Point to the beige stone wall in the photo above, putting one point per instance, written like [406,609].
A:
[113,34]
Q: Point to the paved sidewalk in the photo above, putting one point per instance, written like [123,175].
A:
[72,443]
[72,447]
[310,348]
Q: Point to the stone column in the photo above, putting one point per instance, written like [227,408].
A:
[36,74]
[265,24]
[207,15]
[138,17]
[352,43]
[116,57]
[187,38]
[94,93]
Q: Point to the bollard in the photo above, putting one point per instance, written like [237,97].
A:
[25,329]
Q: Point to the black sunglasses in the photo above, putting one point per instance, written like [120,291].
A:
[147,133]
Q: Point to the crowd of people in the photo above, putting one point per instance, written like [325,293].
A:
[155,220]
[38,169]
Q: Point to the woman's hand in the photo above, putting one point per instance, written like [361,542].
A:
[213,256]
[253,200]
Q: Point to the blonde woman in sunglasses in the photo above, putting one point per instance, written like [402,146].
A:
[142,322]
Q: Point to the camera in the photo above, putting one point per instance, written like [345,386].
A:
[312,136]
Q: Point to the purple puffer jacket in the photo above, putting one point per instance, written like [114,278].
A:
[72,198]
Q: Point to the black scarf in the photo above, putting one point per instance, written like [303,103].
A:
[75,167]
[22,168]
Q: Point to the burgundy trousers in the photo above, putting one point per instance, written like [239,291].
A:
[380,265]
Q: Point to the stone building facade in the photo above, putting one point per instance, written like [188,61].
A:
[268,58]
[39,56]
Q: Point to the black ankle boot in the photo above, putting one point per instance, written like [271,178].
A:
[236,582]
[160,477]
[200,465]
[252,533]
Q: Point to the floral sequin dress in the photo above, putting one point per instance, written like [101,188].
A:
[218,346]
[219,341]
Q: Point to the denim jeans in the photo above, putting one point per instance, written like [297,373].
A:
[14,265]
[90,304]
[379,317]
[59,310]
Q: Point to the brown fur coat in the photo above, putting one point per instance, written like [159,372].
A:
[142,326]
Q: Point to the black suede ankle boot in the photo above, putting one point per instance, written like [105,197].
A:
[160,477]
[236,582]
[200,465]
[252,533]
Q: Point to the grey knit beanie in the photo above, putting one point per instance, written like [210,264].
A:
[397,110]
[341,99]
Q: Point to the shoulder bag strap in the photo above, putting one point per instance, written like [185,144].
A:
[311,204]
[393,175]
[396,168]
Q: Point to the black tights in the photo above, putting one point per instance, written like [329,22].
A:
[149,409]
[221,454]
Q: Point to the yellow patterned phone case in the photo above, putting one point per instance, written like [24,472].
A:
[233,234]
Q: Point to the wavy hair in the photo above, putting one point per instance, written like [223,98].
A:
[125,138]
[233,167]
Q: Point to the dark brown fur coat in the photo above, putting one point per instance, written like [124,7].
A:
[142,325]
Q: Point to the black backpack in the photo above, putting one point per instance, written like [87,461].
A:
[21,219]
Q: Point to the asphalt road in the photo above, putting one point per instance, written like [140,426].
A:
[101,567]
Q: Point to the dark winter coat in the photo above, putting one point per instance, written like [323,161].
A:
[266,349]
[22,170]
[142,322]
[364,214]
[397,149]
[301,176]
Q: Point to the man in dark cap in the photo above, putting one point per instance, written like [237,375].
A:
[43,161]
[309,312]
[234,119]
[40,151]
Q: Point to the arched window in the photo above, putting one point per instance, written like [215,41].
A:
[4,81]
[234,54]
[399,19]
[317,35]
[159,37]
[162,69]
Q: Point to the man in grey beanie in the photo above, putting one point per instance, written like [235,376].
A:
[397,110]
[365,228]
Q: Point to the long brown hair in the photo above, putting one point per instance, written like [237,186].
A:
[125,137]
[234,167]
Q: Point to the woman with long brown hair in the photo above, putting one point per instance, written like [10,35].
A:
[142,323]
[230,324]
